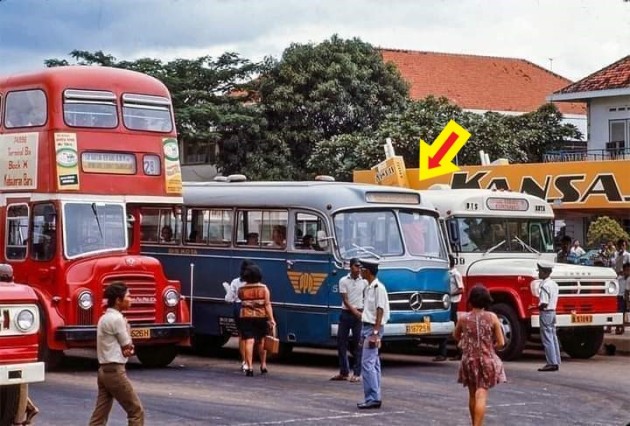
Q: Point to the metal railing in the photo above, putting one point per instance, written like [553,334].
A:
[587,155]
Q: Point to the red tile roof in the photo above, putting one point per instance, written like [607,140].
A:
[480,82]
[614,76]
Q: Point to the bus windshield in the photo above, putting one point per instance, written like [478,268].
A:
[91,227]
[388,233]
[506,234]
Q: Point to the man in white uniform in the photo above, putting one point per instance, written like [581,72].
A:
[548,299]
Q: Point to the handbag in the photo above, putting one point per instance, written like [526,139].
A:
[271,343]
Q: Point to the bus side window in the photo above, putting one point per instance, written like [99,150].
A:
[17,232]
[308,231]
[26,108]
[43,232]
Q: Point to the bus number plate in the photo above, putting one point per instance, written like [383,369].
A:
[418,328]
[140,333]
[581,319]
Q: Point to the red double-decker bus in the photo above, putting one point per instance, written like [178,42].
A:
[82,149]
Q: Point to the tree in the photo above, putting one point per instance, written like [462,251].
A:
[603,230]
[338,87]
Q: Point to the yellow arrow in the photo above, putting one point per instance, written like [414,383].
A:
[437,159]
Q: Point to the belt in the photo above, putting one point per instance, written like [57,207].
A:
[368,323]
[112,364]
[547,310]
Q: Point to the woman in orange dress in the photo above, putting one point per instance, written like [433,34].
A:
[478,333]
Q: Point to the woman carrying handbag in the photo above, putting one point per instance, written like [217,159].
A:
[256,317]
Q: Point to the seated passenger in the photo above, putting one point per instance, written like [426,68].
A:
[307,242]
[166,234]
[278,237]
[252,239]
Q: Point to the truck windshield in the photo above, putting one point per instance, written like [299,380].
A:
[496,234]
[93,227]
[388,233]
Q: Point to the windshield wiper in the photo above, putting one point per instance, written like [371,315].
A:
[98,221]
[494,247]
[526,246]
[365,250]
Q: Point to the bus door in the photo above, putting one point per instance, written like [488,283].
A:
[44,245]
[312,285]
[15,236]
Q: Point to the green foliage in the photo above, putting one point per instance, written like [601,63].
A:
[338,87]
[603,230]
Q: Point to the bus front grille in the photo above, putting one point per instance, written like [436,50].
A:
[143,297]
[84,316]
[575,288]
[415,301]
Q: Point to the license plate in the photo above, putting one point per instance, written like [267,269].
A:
[140,333]
[418,328]
[581,318]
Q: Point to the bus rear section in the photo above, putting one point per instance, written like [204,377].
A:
[323,226]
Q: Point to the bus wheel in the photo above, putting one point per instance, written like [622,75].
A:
[156,356]
[513,331]
[582,342]
[9,403]
[204,344]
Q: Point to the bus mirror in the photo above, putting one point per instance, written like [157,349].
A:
[322,239]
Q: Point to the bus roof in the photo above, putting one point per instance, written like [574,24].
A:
[86,77]
[321,196]
[486,202]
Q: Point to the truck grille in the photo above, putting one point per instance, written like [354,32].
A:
[575,288]
[85,316]
[407,300]
[143,296]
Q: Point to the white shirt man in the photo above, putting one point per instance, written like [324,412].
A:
[457,284]
[548,300]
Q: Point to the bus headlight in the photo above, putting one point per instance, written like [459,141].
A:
[85,300]
[171,298]
[612,287]
[25,320]
[170,317]
[446,301]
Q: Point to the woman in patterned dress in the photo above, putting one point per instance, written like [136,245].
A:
[478,333]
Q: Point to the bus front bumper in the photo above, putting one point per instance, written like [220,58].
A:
[140,333]
[583,320]
[15,374]
[419,330]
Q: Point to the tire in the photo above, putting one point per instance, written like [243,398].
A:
[156,356]
[513,331]
[205,345]
[582,342]
[9,403]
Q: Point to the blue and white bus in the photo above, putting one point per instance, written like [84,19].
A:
[302,235]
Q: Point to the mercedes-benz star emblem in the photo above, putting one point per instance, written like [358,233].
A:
[415,301]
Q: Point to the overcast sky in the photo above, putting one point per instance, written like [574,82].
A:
[581,36]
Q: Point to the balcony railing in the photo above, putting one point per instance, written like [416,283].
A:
[587,155]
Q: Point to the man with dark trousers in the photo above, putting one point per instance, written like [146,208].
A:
[375,316]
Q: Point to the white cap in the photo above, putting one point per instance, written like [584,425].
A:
[545,264]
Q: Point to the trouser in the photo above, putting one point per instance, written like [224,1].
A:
[549,337]
[347,322]
[113,383]
[442,347]
[370,365]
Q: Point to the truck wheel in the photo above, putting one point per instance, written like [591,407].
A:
[513,331]
[9,403]
[582,342]
[205,345]
[156,356]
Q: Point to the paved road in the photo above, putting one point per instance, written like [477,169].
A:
[212,391]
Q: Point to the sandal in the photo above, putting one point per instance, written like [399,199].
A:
[339,378]
[355,379]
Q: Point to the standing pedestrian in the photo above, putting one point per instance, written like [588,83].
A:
[351,289]
[256,317]
[479,331]
[113,348]
[547,301]
[623,281]
[374,317]
[231,295]
[565,248]
[622,257]
[456,290]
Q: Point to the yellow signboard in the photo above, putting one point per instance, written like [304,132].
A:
[391,172]
[567,185]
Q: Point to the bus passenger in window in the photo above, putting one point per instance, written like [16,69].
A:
[278,237]
[307,242]
[252,239]
[166,234]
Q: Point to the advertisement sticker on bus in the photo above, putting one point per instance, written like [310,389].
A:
[67,158]
[18,162]
[172,170]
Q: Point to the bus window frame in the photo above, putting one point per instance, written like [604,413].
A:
[293,225]
[260,230]
[205,239]
[159,103]
[81,97]
[55,233]
[8,232]
[7,123]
